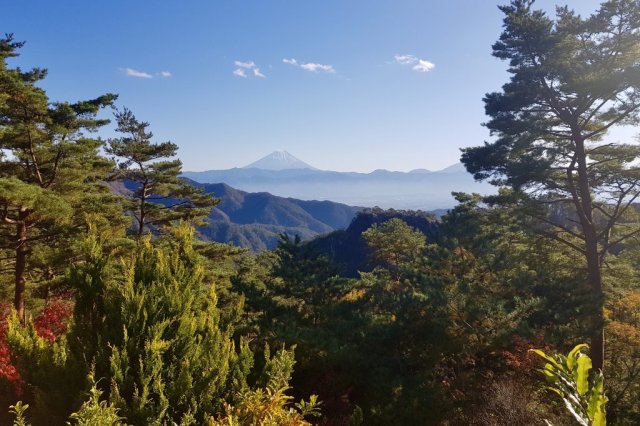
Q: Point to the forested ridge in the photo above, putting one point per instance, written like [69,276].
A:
[256,220]
[522,307]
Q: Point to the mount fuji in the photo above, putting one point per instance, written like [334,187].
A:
[284,175]
[279,160]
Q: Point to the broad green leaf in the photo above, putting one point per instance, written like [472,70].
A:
[554,390]
[549,374]
[596,394]
[597,401]
[600,418]
[547,357]
[574,354]
[581,374]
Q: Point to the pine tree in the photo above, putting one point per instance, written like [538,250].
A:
[50,170]
[573,79]
[159,195]
[394,244]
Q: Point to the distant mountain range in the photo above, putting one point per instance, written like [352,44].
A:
[255,220]
[282,174]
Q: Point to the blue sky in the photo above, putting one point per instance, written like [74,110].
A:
[347,85]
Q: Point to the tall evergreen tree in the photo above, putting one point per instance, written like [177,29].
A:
[159,196]
[573,79]
[49,169]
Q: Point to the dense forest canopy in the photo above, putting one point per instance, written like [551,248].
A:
[113,312]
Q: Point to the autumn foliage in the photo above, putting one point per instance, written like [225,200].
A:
[50,324]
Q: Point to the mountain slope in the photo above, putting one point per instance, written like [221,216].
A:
[255,220]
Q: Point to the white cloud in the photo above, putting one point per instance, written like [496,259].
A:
[317,67]
[142,74]
[247,65]
[417,64]
[423,66]
[311,66]
[242,68]
[135,73]
[406,59]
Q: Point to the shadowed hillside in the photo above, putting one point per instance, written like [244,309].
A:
[347,248]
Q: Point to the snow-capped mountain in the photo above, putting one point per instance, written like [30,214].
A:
[283,175]
[279,160]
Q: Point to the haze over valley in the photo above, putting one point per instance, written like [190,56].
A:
[282,174]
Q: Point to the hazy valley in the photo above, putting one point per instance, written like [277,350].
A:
[286,176]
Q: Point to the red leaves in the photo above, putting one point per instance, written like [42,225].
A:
[52,321]
[7,370]
[50,324]
[519,357]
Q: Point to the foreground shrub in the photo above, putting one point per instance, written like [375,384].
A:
[148,325]
[582,393]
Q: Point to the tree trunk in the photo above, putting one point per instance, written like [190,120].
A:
[597,347]
[143,209]
[21,266]
[594,271]
[141,222]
